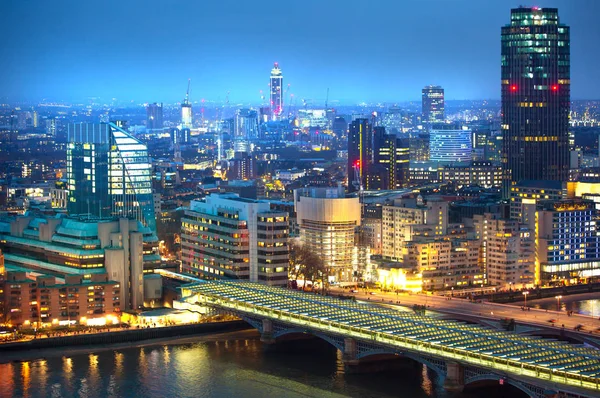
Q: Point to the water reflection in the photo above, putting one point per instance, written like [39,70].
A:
[234,367]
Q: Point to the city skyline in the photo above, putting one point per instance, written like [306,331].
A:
[146,57]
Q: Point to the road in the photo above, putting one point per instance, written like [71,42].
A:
[488,310]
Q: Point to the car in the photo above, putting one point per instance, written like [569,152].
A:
[372,293]
[579,327]
[552,320]
[354,291]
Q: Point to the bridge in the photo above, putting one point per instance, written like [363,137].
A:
[460,353]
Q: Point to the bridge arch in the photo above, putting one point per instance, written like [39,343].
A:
[530,390]
[337,342]
[439,367]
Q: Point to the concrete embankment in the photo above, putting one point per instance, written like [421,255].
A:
[125,336]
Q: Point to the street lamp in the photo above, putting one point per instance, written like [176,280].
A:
[558,304]
[525,293]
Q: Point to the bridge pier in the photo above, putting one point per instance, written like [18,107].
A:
[455,377]
[266,337]
[350,352]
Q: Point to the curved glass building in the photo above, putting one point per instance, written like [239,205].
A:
[109,174]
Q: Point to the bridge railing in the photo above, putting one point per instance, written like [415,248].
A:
[396,341]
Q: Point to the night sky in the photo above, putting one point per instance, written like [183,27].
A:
[373,51]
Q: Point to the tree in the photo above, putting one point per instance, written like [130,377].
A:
[305,264]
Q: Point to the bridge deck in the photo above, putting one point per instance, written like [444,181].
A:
[556,361]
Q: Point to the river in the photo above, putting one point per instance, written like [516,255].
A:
[586,304]
[228,365]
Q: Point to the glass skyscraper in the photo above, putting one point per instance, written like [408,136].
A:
[109,174]
[433,104]
[535,96]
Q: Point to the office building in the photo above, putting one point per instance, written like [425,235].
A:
[535,96]
[449,143]
[83,255]
[567,242]
[328,223]
[276,84]
[481,173]
[154,116]
[419,147]
[433,104]
[525,195]
[391,158]
[360,153]
[225,236]
[109,174]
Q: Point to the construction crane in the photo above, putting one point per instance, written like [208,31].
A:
[289,112]
[187,93]
[284,97]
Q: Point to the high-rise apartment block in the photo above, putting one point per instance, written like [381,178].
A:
[276,83]
[507,251]
[536,92]
[406,219]
[225,236]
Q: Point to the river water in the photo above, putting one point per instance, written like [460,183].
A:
[588,306]
[229,365]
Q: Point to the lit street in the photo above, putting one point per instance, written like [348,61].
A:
[485,310]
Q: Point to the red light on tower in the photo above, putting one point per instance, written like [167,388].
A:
[555,87]
[357,164]
[513,87]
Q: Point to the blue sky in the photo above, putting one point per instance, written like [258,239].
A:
[373,51]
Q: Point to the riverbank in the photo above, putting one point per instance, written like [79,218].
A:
[564,299]
[60,346]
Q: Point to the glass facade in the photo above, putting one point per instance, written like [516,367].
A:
[433,104]
[109,174]
[535,96]
[450,145]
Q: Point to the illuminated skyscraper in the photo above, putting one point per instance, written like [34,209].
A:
[276,93]
[535,96]
[360,153]
[109,174]
[186,110]
[433,104]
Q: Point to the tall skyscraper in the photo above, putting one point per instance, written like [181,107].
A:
[433,104]
[109,174]
[154,116]
[276,94]
[360,153]
[186,110]
[535,96]
[391,156]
